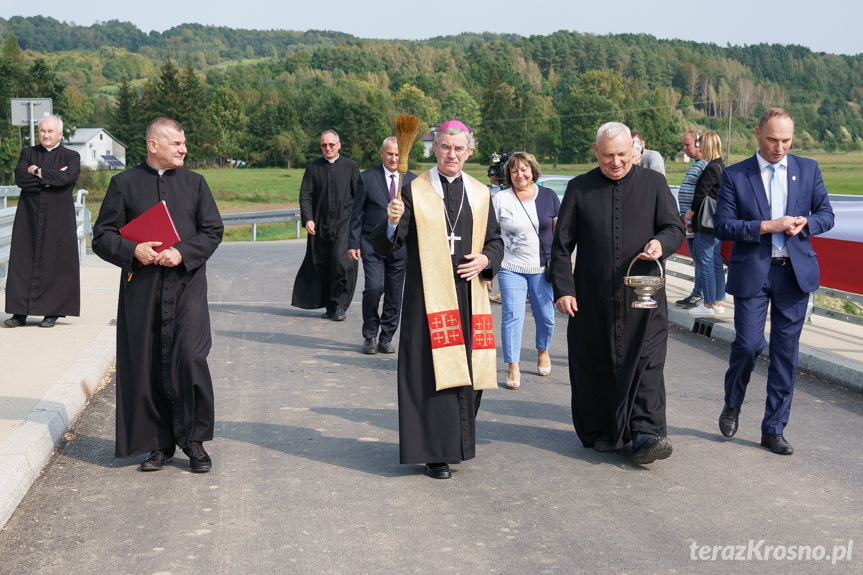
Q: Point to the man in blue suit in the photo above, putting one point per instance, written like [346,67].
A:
[769,205]
[383,275]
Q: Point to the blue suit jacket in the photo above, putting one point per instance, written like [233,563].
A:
[741,205]
[370,207]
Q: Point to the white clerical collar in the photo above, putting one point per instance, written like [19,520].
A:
[161,172]
[52,149]
[435,175]
[333,161]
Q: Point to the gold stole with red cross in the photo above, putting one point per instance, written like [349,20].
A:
[448,346]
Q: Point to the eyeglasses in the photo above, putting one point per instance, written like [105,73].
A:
[333,145]
[446,149]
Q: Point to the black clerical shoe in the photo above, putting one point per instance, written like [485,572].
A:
[438,470]
[339,314]
[777,444]
[15,321]
[651,450]
[199,461]
[728,420]
[369,347]
[157,460]
[48,321]
[386,347]
[327,314]
[605,444]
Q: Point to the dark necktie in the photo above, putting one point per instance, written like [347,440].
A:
[392,186]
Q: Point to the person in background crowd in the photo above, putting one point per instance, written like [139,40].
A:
[650,159]
[692,148]
[708,248]
[384,275]
[327,277]
[43,277]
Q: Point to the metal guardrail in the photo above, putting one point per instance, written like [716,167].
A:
[255,218]
[812,310]
[84,227]
[7,217]
[8,192]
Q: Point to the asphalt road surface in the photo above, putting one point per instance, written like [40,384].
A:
[306,477]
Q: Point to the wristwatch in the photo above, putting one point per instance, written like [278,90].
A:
[36,171]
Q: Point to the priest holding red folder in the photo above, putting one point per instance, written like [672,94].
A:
[164,389]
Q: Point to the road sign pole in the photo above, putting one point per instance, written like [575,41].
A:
[32,121]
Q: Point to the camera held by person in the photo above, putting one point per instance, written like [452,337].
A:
[496,171]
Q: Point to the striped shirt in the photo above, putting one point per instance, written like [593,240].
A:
[687,188]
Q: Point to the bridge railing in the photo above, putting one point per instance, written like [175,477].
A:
[7,219]
[688,273]
[269,217]
[827,268]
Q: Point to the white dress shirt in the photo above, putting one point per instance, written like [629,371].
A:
[766,176]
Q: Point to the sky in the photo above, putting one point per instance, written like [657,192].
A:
[823,25]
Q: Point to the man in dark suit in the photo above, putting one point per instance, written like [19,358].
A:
[769,205]
[384,275]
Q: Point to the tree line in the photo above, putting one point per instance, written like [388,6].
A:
[263,97]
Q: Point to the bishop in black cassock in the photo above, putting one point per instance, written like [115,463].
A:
[612,214]
[437,426]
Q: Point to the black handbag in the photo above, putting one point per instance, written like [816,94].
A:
[705,213]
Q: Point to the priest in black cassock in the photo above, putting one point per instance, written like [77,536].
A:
[613,214]
[164,389]
[446,347]
[327,277]
[44,277]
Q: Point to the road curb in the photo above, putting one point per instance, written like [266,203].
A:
[835,370]
[26,451]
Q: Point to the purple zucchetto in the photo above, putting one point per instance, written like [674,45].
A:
[454,124]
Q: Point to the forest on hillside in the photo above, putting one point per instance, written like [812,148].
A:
[264,96]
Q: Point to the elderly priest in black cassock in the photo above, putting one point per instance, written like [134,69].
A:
[164,389]
[328,276]
[44,277]
[446,347]
[612,214]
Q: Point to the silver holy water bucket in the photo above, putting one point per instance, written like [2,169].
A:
[645,287]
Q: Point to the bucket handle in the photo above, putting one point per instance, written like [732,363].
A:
[629,269]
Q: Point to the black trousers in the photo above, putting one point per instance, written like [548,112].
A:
[384,276]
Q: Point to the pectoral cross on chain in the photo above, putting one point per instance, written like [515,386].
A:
[452,239]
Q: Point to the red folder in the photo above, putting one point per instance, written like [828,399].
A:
[154,225]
